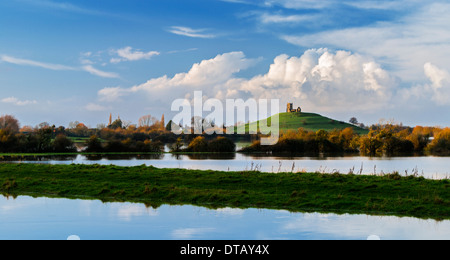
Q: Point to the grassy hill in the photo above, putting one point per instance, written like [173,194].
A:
[308,121]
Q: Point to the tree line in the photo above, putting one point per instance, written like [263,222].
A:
[382,139]
[151,135]
[41,139]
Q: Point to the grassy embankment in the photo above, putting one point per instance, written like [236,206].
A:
[299,192]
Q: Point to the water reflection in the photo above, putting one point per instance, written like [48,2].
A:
[116,157]
[44,218]
[37,158]
[426,166]
[211,156]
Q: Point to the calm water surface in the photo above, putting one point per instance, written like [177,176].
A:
[45,218]
[427,166]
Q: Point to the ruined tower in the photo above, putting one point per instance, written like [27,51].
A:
[290,107]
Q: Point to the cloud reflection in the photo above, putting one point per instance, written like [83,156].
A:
[126,211]
[331,226]
[191,233]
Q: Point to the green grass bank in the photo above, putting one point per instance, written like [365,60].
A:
[308,121]
[390,194]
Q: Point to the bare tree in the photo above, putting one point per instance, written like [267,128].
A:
[147,121]
[126,124]
[73,125]
[101,126]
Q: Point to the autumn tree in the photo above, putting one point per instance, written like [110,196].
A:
[94,144]
[221,145]
[420,137]
[9,123]
[199,144]
[441,142]
[177,146]
[80,130]
[44,138]
[62,144]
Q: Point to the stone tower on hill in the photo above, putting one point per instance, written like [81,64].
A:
[290,108]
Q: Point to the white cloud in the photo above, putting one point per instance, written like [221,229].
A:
[127,54]
[438,88]
[96,72]
[112,94]
[437,76]
[189,32]
[320,80]
[17,102]
[32,63]
[208,75]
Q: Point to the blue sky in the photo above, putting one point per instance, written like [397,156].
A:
[63,61]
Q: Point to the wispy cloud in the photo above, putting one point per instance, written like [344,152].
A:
[58,67]
[32,63]
[267,18]
[384,4]
[248,2]
[361,4]
[96,107]
[56,7]
[17,102]
[62,6]
[180,51]
[97,72]
[300,4]
[128,54]
[193,33]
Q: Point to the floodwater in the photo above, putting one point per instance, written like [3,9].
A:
[58,219]
[427,166]
[48,218]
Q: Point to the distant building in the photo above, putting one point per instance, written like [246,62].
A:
[290,108]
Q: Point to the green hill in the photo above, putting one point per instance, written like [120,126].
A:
[308,121]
